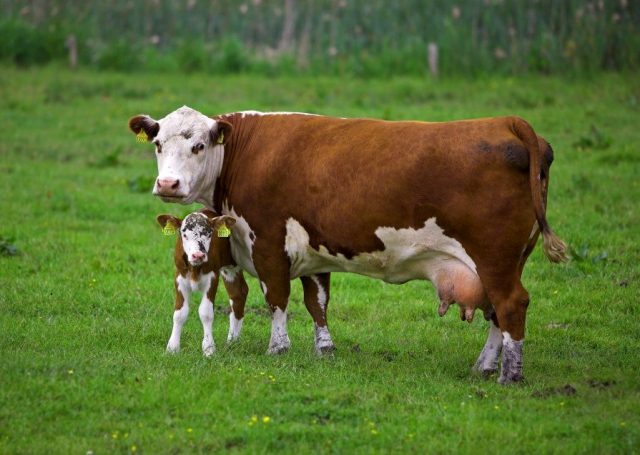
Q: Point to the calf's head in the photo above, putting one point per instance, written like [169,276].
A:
[195,233]
[189,152]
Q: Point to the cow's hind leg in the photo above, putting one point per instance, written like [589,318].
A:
[511,309]
[316,299]
[487,363]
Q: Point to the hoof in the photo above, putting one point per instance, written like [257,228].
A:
[171,349]
[510,379]
[277,350]
[484,372]
[325,350]
[209,351]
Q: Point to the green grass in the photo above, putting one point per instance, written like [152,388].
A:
[86,304]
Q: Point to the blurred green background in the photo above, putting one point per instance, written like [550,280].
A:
[366,38]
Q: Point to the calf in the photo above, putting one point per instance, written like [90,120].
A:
[202,253]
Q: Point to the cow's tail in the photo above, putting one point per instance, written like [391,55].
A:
[554,248]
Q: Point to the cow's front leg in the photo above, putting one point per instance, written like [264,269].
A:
[206,314]
[316,299]
[487,362]
[237,289]
[180,313]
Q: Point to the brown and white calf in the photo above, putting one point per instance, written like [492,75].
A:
[460,204]
[200,257]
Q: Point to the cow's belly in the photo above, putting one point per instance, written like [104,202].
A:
[409,254]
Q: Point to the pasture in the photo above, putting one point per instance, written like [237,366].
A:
[86,289]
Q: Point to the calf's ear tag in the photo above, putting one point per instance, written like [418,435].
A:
[142,136]
[220,141]
[168,229]
[224,231]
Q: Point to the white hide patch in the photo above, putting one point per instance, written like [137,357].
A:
[243,114]
[279,338]
[263,286]
[488,359]
[179,132]
[242,240]
[322,295]
[408,254]
[229,273]
[186,285]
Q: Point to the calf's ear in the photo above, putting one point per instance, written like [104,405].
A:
[218,221]
[220,132]
[163,220]
[146,124]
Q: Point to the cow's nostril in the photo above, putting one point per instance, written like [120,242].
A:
[175,185]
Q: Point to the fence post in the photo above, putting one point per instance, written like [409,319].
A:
[432,56]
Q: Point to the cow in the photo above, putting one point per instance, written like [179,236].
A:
[200,257]
[460,204]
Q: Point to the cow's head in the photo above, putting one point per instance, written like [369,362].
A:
[196,231]
[189,150]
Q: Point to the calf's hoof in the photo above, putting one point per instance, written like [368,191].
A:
[172,349]
[325,350]
[278,349]
[208,351]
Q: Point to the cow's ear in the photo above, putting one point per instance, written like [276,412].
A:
[164,220]
[221,132]
[144,123]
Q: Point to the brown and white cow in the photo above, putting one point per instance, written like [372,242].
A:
[200,258]
[460,204]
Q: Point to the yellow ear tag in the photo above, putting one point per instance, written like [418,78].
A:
[168,229]
[142,136]
[220,141]
[224,231]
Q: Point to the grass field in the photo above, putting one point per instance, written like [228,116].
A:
[86,304]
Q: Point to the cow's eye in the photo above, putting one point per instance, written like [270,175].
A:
[197,148]
[158,146]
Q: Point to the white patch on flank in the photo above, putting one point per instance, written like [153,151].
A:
[322,295]
[324,342]
[279,338]
[196,173]
[263,286]
[488,359]
[235,325]
[241,240]
[229,273]
[408,254]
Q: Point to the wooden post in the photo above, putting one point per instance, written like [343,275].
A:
[432,56]
[72,45]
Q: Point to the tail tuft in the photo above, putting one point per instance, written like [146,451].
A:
[554,248]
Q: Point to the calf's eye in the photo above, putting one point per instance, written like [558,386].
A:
[197,148]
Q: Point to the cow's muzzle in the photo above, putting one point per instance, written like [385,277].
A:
[169,190]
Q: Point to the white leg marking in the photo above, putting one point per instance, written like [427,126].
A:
[487,362]
[206,317]
[235,325]
[511,359]
[263,286]
[179,317]
[322,295]
[279,338]
[324,343]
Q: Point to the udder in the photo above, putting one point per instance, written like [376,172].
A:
[456,283]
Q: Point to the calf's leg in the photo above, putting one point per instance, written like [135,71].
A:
[316,299]
[180,313]
[237,289]
[206,316]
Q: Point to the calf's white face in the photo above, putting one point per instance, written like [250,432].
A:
[189,153]
[196,232]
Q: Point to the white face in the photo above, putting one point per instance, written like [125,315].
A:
[196,233]
[188,163]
